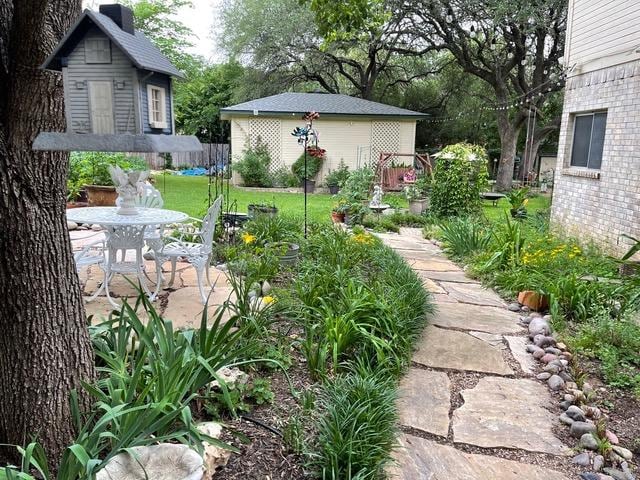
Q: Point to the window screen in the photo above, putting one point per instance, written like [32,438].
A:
[588,140]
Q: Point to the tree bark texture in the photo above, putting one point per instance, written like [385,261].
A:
[45,349]
[508,147]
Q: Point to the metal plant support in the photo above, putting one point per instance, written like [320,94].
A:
[308,137]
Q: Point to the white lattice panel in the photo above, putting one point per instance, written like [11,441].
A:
[385,137]
[269,130]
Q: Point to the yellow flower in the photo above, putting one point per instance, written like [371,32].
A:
[363,238]
[247,238]
[268,299]
[525,201]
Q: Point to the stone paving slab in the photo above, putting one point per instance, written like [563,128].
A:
[473,293]
[440,348]
[421,459]
[518,347]
[432,286]
[411,255]
[185,310]
[423,401]
[456,277]
[507,413]
[473,317]
[435,264]
[439,298]
[491,338]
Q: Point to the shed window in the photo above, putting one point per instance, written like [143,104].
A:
[97,50]
[588,140]
[157,100]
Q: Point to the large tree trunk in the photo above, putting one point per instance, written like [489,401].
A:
[45,350]
[508,146]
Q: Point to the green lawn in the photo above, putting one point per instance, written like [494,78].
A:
[189,194]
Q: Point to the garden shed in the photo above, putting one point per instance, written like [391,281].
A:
[350,129]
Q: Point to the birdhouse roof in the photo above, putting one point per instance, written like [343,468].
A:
[138,48]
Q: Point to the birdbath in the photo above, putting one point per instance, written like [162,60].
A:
[376,204]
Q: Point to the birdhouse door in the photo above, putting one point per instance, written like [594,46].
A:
[101,104]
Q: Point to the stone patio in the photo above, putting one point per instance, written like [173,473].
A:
[179,303]
[471,336]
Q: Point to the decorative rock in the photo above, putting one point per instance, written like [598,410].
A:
[561,346]
[569,398]
[598,463]
[555,382]
[543,376]
[526,309]
[564,363]
[592,412]
[616,474]
[538,354]
[547,317]
[166,461]
[564,404]
[552,369]
[526,320]
[548,357]
[578,429]
[539,326]
[555,351]
[266,288]
[514,307]
[71,225]
[566,355]
[544,341]
[565,376]
[96,228]
[231,377]
[589,476]
[531,348]
[589,442]
[612,437]
[565,419]
[623,452]
[582,459]
[576,414]
[214,456]
[627,471]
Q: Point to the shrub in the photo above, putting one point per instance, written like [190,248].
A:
[459,178]
[357,185]
[283,177]
[314,163]
[92,168]
[253,168]
[337,177]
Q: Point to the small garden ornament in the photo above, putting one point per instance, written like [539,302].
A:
[127,185]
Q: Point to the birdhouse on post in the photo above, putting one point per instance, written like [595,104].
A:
[117,89]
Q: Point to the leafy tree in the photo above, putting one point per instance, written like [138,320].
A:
[199,100]
[45,350]
[513,47]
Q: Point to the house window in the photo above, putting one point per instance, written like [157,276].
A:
[157,100]
[588,140]
[97,50]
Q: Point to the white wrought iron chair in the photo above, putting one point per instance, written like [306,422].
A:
[198,254]
[92,254]
[123,239]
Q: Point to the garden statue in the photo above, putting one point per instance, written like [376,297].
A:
[376,201]
[127,185]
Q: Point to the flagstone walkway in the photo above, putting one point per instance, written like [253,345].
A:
[469,407]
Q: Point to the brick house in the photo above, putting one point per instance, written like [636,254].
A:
[597,183]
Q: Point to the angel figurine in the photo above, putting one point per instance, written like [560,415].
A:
[376,201]
[128,185]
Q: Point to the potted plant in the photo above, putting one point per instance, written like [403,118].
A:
[335,178]
[339,211]
[518,200]
[91,170]
[355,212]
[255,209]
[418,195]
[314,158]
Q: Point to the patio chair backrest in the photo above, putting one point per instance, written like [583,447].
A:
[209,223]
[149,197]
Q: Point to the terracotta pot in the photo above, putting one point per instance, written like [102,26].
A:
[76,205]
[101,196]
[337,217]
[533,300]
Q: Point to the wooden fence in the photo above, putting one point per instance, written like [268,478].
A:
[212,154]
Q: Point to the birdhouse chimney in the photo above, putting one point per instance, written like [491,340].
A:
[121,15]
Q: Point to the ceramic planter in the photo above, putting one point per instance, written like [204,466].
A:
[418,206]
[337,217]
[333,189]
[255,210]
[288,252]
[311,185]
[533,300]
[101,196]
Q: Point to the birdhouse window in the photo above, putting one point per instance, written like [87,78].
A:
[97,50]
[157,99]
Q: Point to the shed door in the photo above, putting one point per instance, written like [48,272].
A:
[101,102]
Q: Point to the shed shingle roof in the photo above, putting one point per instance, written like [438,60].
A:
[142,53]
[323,103]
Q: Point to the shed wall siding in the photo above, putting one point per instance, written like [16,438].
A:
[78,73]
[600,210]
[602,33]
[159,80]
[343,139]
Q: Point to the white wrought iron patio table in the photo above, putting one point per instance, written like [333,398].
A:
[126,232]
